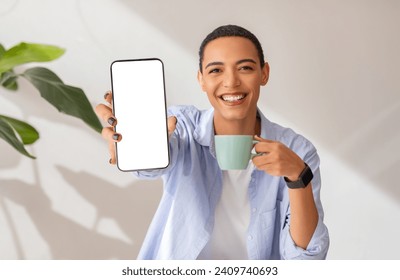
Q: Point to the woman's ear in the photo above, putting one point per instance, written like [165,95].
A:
[200,80]
[265,74]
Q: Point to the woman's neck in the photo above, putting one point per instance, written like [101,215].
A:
[247,126]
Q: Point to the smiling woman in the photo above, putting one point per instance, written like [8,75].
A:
[334,78]
[197,217]
[232,77]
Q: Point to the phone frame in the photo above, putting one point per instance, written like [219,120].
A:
[165,112]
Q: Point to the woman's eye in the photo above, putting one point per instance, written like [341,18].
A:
[246,68]
[216,70]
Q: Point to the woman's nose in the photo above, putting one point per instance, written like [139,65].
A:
[231,79]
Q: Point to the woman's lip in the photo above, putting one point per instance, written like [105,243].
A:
[232,95]
[233,102]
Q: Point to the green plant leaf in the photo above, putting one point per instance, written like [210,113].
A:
[67,99]
[2,50]
[27,133]
[28,52]
[8,134]
[9,80]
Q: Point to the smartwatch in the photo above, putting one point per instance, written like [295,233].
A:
[304,179]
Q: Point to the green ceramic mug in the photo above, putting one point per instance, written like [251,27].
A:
[234,151]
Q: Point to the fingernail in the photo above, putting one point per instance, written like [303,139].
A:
[106,94]
[111,121]
[115,136]
[110,161]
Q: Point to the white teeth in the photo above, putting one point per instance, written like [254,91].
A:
[232,98]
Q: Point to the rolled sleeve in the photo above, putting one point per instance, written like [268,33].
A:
[317,249]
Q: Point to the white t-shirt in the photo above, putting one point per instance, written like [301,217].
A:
[232,217]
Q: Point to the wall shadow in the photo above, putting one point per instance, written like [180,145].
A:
[129,206]
[12,155]
[68,239]
[372,149]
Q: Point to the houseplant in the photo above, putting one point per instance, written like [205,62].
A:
[66,98]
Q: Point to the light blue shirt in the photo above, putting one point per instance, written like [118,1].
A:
[184,219]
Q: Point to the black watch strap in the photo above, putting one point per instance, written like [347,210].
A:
[304,179]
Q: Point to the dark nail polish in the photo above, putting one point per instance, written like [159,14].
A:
[106,94]
[109,161]
[111,121]
[115,136]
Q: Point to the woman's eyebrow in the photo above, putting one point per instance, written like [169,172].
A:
[214,63]
[246,60]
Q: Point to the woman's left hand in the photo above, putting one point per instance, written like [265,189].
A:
[277,159]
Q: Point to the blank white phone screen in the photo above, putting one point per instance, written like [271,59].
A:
[139,104]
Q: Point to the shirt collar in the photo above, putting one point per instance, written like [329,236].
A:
[267,131]
[204,131]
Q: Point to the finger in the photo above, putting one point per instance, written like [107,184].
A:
[108,96]
[107,133]
[111,137]
[269,169]
[266,164]
[111,149]
[261,160]
[263,147]
[258,138]
[105,113]
[171,125]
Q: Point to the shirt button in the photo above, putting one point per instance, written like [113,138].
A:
[254,210]
[249,237]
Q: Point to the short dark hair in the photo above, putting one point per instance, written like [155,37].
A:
[230,31]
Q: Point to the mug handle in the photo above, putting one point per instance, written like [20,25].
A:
[256,154]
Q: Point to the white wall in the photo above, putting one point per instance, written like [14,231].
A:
[334,78]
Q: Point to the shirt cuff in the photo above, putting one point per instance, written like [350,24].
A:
[317,247]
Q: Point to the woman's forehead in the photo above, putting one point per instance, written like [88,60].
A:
[230,48]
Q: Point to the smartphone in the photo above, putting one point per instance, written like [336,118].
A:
[139,104]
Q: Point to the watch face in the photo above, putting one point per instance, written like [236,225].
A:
[304,179]
[307,176]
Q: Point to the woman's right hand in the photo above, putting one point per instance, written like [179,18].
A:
[104,112]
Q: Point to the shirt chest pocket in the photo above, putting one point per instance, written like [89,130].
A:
[267,229]
[268,219]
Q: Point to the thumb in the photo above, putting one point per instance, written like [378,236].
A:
[258,138]
[171,125]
